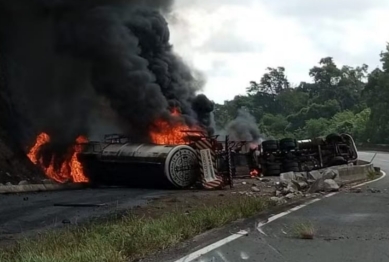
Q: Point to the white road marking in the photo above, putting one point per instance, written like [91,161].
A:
[213,246]
[368,182]
[200,252]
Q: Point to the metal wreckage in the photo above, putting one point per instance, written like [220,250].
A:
[207,162]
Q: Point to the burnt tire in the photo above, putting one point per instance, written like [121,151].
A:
[270,145]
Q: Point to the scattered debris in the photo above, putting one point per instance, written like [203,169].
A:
[244,183]
[372,190]
[290,196]
[255,189]
[262,179]
[66,221]
[307,183]
[8,184]
[330,185]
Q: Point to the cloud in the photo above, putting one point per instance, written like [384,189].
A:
[330,9]
[233,42]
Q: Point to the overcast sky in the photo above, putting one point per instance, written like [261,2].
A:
[233,41]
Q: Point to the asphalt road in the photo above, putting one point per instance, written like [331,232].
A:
[23,214]
[348,227]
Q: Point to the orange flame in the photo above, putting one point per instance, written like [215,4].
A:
[171,134]
[71,168]
[254,173]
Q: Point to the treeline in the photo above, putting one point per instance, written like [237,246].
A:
[338,100]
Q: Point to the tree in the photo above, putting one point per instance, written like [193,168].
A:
[272,82]
[377,93]
[339,99]
[274,125]
[316,127]
[292,100]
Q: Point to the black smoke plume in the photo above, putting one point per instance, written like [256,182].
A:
[90,67]
[244,128]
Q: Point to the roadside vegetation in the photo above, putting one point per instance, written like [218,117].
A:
[304,230]
[371,175]
[338,99]
[132,236]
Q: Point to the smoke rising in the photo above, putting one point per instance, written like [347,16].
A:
[89,67]
[244,128]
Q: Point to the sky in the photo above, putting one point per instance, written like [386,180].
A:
[232,42]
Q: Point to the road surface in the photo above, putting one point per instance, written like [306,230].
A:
[349,227]
[25,213]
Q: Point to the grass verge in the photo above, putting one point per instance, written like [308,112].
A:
[132,236]
[371,175]
[304,230]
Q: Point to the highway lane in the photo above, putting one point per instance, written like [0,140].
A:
[25,213]
[348,227]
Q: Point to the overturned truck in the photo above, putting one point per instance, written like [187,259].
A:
[118,162]
[285,155]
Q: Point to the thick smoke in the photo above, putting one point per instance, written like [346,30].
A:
[244,128]
[90,67]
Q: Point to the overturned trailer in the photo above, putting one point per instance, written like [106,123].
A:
[118,162]
[304,155]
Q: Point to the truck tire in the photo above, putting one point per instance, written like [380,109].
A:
[288,144]
[273,169]
[291,166]
[270,145]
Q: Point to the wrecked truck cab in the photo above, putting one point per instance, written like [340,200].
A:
[289,154]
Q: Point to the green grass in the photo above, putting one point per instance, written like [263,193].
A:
[304,230]
[371,175]
[130,238]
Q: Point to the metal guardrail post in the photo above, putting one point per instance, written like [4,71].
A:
[371,161]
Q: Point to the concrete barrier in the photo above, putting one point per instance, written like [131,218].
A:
[38,188]
[350,174]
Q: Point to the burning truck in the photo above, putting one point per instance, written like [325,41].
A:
[175,159]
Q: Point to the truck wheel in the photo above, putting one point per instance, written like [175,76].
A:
[270,145]
[288,144]
[291,166]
